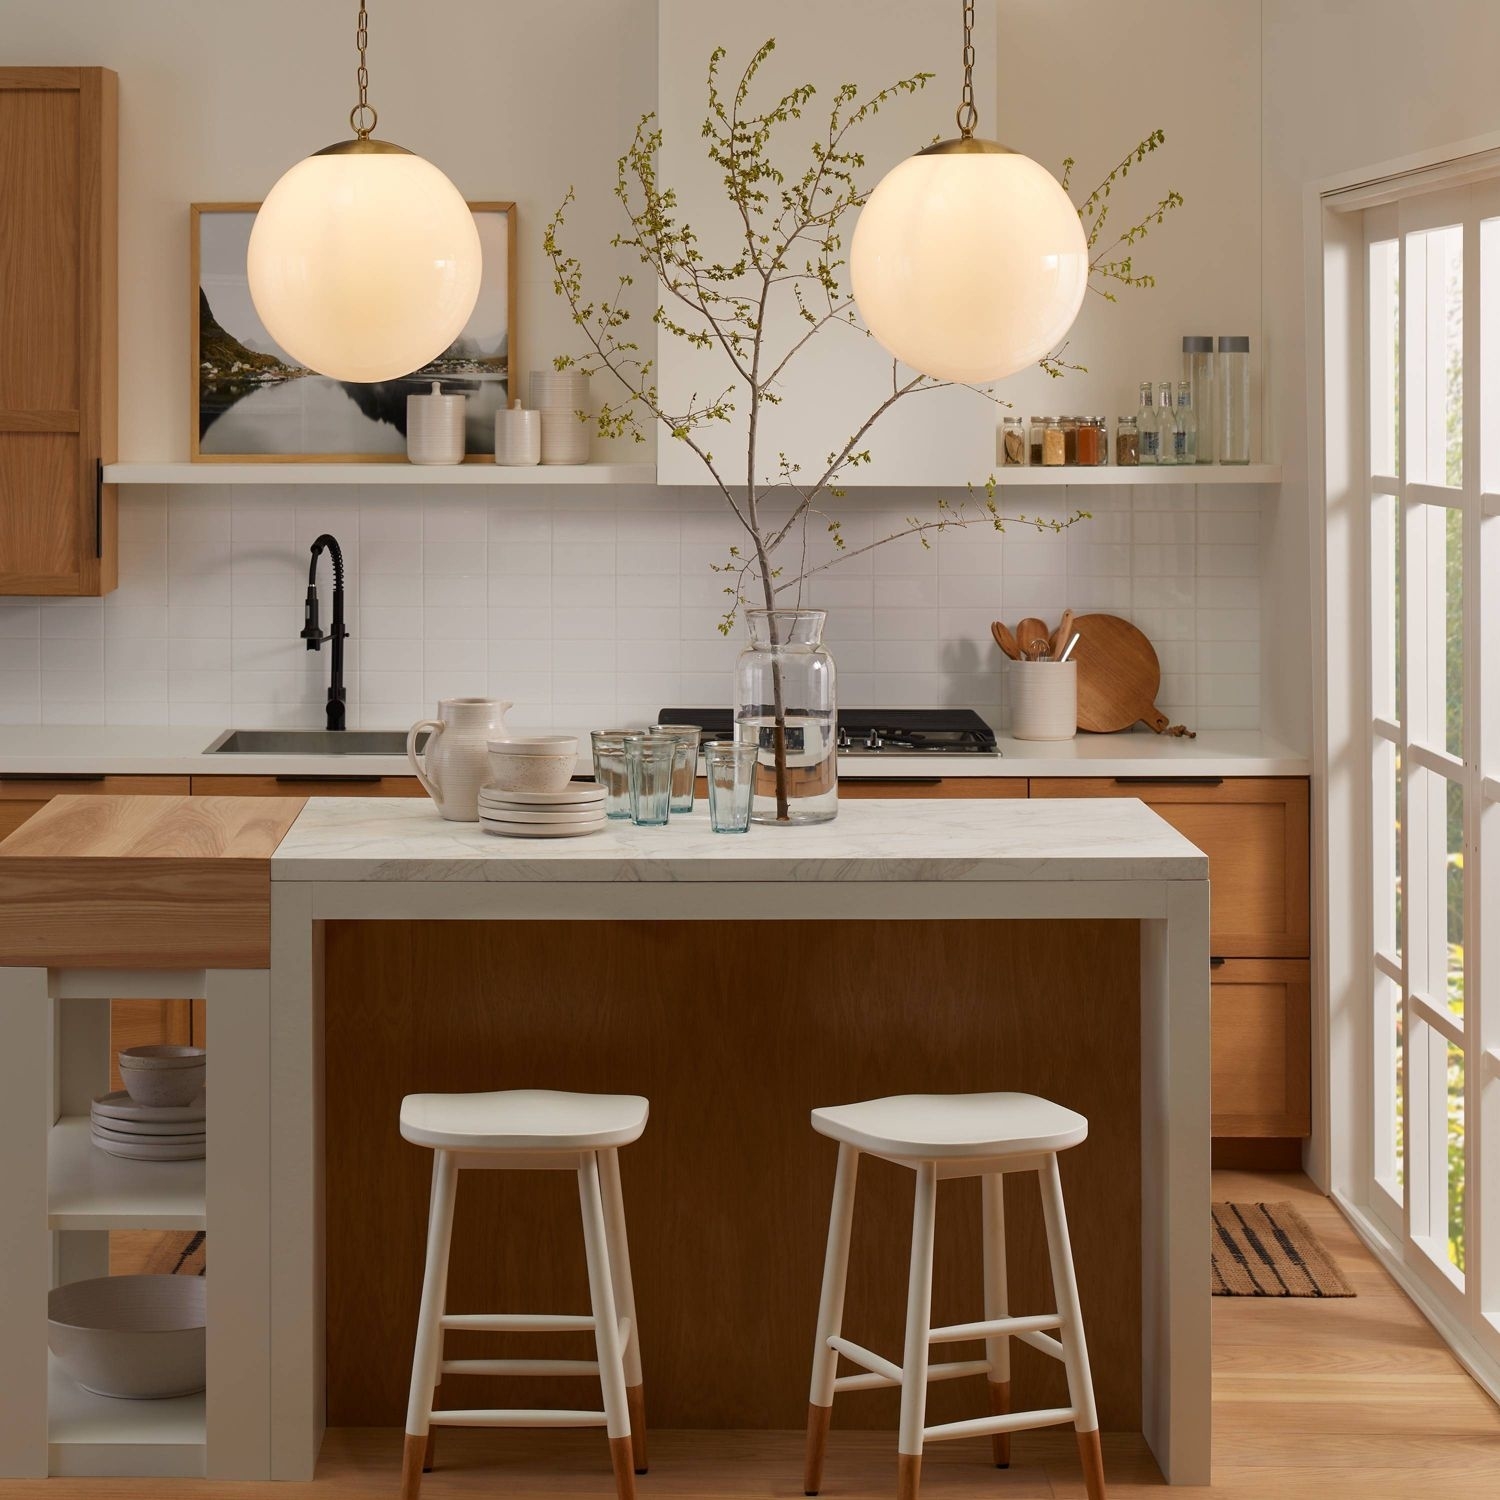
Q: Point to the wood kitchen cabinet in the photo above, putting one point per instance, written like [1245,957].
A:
[307,786]
[938,786]
[58,349]
[1262,1041]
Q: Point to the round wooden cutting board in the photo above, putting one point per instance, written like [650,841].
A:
[1118,676]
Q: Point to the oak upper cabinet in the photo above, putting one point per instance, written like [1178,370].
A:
[842,376]
[58,346]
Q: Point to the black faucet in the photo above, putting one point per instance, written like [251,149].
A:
[312,633]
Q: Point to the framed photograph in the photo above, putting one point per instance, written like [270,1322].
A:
[253,403]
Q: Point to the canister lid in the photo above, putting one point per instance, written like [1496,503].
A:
[1234,343]
[1197,343]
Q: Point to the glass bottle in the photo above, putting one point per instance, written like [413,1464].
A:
[1233,393]
[1013,443]
[1054,445]
[1166,425]
[1069,427]
[1036,429]
[1127,443]
[786,705]
[1146,424]
[1198,371]
[1187,425]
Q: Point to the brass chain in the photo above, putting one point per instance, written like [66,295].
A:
[968,116]
[364,110]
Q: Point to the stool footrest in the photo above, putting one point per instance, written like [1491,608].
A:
[993,1328]
[866,1357]
[956,1370]
[520,1367]
[519,1322]
[1044,1344]
[517,1417]
[1010,1422]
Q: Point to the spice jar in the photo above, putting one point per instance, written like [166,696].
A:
[1038,427]
[1013,443]
[1090,442]
[1069,427]
[1054,450]
[1127,443]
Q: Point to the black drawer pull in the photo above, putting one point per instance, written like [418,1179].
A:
[52,776]
[1217,963]
[332,778]
[892,780]
[1169,781]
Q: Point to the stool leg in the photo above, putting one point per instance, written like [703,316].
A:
[918,1326]
[619,1265]
[830,1317]
[606,1325]
[428,1353]
[1075,1350]
[996,1305]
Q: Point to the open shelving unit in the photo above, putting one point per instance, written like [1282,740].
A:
[90,1189]
[101,1437]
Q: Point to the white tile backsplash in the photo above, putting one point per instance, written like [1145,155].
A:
[592,605]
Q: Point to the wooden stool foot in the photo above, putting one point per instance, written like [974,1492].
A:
[621,1458]
[1000,1407]
[908,1475]
[1092,1457]
[429,1453]
[635,1401]
[411,1466]
[818,1418]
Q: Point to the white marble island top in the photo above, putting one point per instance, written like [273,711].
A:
[395,840]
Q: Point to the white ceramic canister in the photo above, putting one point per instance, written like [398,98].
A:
[454,763]
[435,427]
[1043,700]
[559,395]
[518,436]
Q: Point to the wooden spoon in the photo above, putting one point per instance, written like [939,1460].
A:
[1028,633]
[1005,640]
[1062,635]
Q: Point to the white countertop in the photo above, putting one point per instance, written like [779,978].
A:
[179,751]
[387,839]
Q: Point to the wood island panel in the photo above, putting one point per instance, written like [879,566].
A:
[733,1031]
[142,882]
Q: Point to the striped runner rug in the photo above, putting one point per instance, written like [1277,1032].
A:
[1268,1250]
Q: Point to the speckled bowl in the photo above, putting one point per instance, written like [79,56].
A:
[136,1337]
[533,763]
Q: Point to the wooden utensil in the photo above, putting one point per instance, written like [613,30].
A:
[1062,635]
[1118,676]
[1005,640]
[1028,633]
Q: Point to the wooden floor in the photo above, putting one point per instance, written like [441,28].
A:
[1338,1400]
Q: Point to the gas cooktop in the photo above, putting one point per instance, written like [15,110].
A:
[875,731]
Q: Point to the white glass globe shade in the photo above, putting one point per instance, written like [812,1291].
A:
[969,265]
[364,264]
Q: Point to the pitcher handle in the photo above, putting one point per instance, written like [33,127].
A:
[436,726]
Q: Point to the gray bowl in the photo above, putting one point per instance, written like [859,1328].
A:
[162,1086]
[136,1337]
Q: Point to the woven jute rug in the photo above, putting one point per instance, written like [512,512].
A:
[1268,1250]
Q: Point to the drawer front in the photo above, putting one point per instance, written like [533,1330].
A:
[936,786]
[20,796]
[1262,1083]
[1255,833]
[307,786]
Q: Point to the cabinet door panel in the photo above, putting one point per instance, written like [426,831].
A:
[942,787]
[1262,1083]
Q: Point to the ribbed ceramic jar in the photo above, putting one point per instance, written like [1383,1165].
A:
[455,762]
[435,427]
[559,396]
[518,437]
[786,704]
[1043,700]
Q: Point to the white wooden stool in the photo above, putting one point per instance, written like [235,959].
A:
[941,1136]
[532,1130]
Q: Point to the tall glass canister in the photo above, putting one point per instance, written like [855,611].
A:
[786,704]
[1233,395]
[1198,371]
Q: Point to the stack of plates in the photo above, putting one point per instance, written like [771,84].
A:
[148,1132]
[567,814]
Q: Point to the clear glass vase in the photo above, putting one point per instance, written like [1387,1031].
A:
[785,703]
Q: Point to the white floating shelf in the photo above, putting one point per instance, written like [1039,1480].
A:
[1200,474]
[100,1437]
[90,1189]
[378,473]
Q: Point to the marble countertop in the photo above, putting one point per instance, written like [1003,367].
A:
[395,840]
[178,750]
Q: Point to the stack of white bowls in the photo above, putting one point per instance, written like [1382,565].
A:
[146,1132]
[559,395]
[566,814]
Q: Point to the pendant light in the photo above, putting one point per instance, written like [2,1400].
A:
[969,261]
[364,260]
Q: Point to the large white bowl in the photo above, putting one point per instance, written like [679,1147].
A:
[137,1337]
[533,763]
[162,1087]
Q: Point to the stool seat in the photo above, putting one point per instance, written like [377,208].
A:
[523,1120]
[947,1126]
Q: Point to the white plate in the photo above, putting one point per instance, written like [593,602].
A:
[147,1129]
[124,1138]
[570,796]
[541,830]
[152,1150]
[543,815]
[120,1106]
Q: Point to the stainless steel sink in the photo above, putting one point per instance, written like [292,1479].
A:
[312,742]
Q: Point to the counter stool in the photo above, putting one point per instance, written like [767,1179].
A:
[940,1136]
[532,1130]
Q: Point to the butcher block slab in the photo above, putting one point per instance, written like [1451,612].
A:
[142,882]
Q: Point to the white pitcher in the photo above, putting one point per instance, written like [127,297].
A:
[454,763]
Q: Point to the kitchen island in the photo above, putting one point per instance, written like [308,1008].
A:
[1057,946]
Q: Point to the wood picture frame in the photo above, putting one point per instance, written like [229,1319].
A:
[375,409]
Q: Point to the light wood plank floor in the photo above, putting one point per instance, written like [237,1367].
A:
[1339,1400]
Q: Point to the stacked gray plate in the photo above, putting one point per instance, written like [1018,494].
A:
[576,810]
[148,1132]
